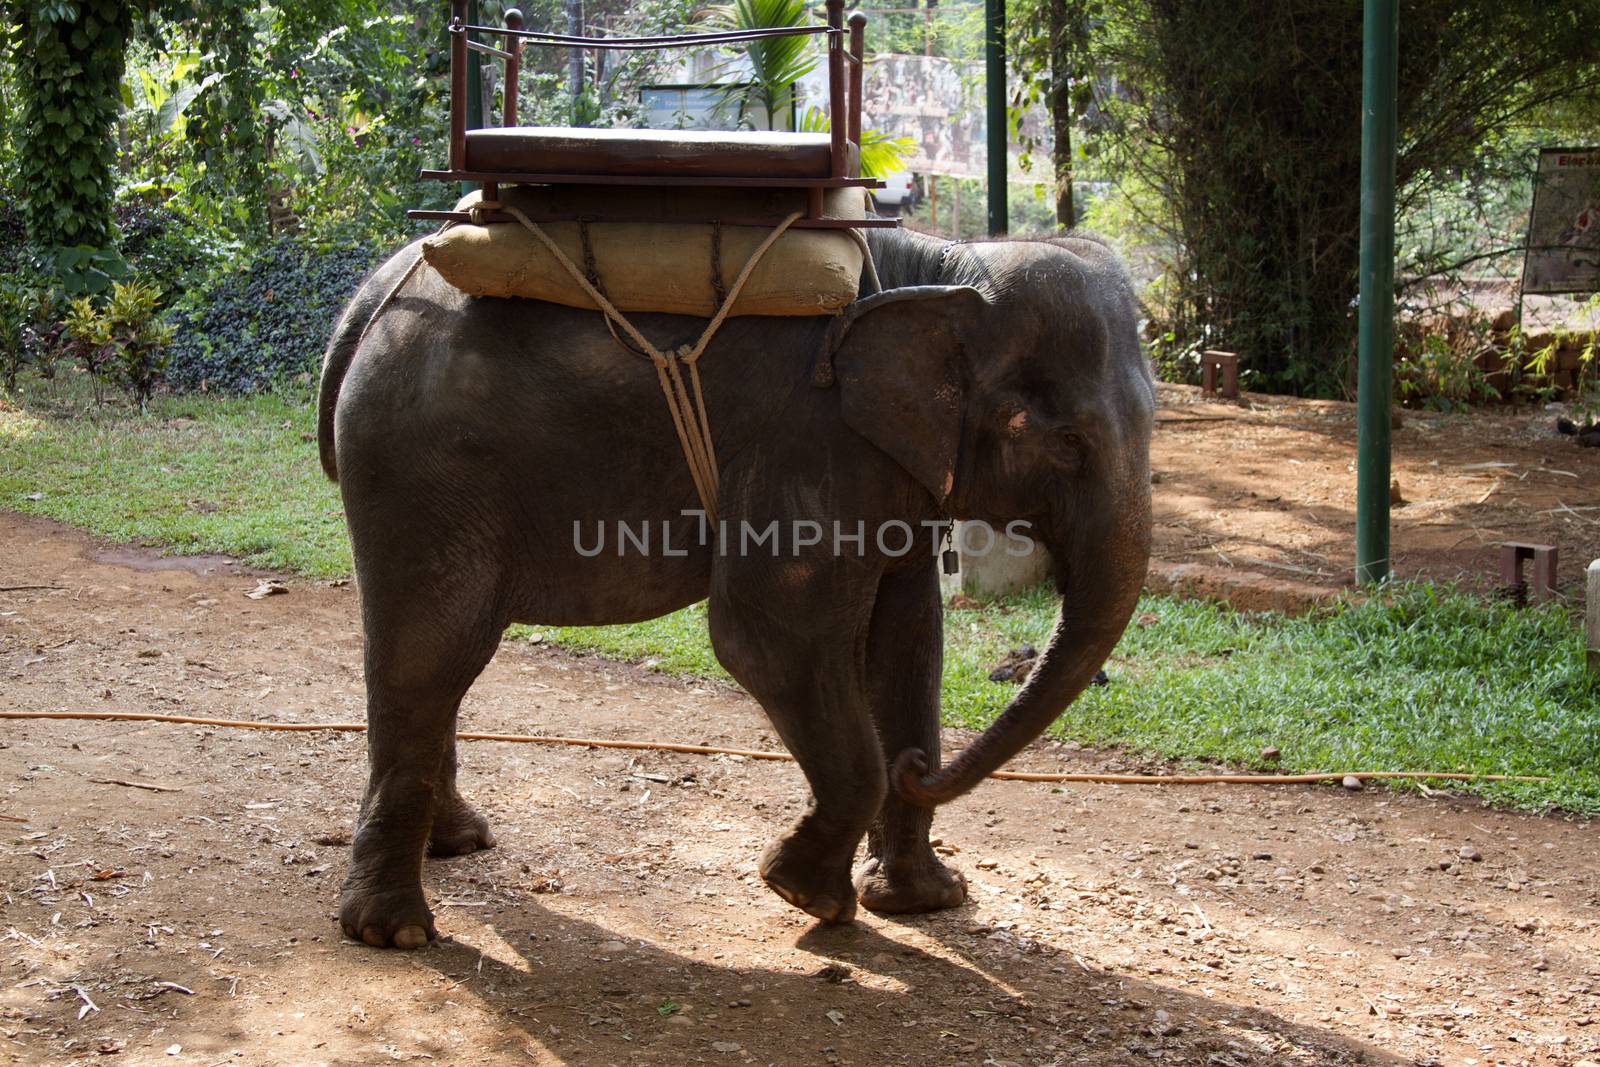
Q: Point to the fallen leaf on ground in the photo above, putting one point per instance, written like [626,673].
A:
[267,587]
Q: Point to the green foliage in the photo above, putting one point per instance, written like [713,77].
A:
[1584,397]
[88,341]
[121,340]
[881,154]
[1243,116]
[44,334]
[14,314]
[84,270]
[323,108]
[138,336]
[68,60]
[1440,373]
[265,322]
[950,29]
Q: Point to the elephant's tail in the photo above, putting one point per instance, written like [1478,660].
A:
[368,303]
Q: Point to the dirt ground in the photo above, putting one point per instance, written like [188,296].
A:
[1268,484]
[620,921]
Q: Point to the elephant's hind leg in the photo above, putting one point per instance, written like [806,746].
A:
[904,668]
[458,828]
[427,640]
[802,662]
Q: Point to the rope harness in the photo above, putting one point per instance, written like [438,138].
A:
[685,401]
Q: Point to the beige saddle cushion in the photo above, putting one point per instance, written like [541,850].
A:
[663,265]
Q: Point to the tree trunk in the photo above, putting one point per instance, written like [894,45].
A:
[1061,61]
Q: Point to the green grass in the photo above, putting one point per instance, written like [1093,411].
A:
[195,474]
[1427,679]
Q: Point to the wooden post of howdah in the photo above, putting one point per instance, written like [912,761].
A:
[1591,626]
[513,68]
[836,103]
[858,74]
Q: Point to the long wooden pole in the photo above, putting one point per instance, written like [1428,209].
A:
[513,45]
[458,85]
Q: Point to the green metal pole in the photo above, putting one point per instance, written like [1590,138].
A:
[994,60]
[1376,370]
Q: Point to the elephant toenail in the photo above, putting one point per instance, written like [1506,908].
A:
[410,937]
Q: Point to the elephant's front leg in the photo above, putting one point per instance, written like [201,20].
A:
[904,668]
[792,632]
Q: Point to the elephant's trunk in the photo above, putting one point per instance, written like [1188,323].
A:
[1099,576]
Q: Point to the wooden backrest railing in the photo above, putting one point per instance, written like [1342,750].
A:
[845,67]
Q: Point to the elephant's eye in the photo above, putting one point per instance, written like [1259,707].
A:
[1071,439]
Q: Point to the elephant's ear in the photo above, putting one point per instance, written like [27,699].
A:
[897,356]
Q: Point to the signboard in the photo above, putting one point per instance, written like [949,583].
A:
[1564,227]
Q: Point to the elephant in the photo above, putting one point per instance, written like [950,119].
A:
[482,446]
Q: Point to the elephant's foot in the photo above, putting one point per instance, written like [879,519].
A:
[803,878]
[383,918]
[458,829]
[901,889]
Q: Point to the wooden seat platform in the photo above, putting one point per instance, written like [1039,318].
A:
[512,154]
[664,153]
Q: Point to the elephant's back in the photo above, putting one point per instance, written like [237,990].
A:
[506,394]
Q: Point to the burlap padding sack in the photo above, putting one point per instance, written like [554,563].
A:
[656,266]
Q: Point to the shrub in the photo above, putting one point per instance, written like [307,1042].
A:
[44,334]
[266,322]
[138,337]
[13,322]
[161,247]
[122,340]
[88,340]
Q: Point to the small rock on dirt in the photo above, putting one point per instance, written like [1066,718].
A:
[726,1046]
[1470,854]
[1352,783]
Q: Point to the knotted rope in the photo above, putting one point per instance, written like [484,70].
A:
[685,403]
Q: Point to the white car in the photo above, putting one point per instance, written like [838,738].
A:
[900,190]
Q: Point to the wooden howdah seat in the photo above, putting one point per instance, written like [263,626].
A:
[805,165]
[561,150]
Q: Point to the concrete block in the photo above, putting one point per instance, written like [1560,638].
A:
[993,563]
[1591,624]
[1225,362]
[1512,556]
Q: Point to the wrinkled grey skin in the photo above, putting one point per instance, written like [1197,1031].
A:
[1000,382]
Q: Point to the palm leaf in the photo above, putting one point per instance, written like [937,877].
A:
[881,153]
[776,63]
